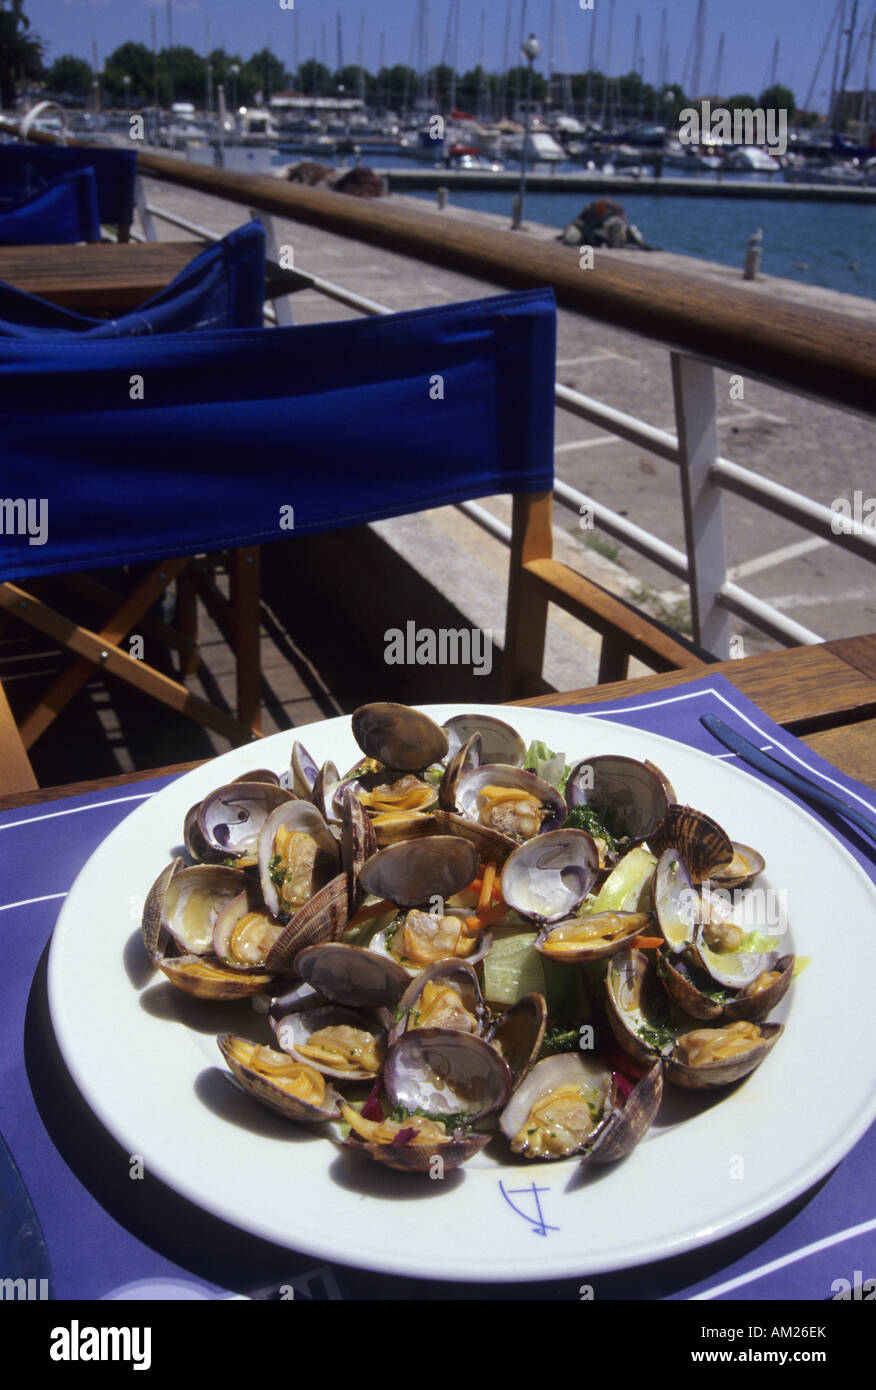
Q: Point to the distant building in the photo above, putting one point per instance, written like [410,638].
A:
[300,104]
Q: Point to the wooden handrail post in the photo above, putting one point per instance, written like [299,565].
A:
[693,384]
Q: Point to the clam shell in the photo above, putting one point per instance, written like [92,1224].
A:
[295,816]
[676,902]
[548,877]
[484,942]
[566,1068]
[745,865]
[208,979]
[446,1073]
[722,1073]
[171,895]
[323,918]
[701,842]
[267,1092]
[631,790]
[419,1158]
[627,1122]
[499,743]
[519,1033]
[296,1028]
[632,994]
[398,736]
[415,871]
[460,976]
[465,759]
[611,932]
[230,819]
[353,976]
[358,843]
[499,775]
[490,846]
[303,770]
[246,902]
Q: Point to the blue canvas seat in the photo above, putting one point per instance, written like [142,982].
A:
[221,288]
[63,212]
[160,448]
[26,169]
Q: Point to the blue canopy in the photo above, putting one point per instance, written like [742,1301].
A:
[138,449]
[223,287]
[26,169]
[63,212]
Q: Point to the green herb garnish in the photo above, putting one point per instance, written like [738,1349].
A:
[277,871]
[558,1040]
[598,821]
[450,1122]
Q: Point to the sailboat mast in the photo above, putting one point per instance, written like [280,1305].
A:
[847,64]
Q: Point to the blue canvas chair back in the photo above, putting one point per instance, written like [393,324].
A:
[129,450]
[27,169]
[223,287]
[60,214]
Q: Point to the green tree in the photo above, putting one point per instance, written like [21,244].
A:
[778,98]
[398,86]
[743,101]
[21,53]
[539,84]
[69,76]
[264,73]
[189,74]
[132,60]
[313,78]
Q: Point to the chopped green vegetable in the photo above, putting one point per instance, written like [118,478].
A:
[800,964]
[277,870]
[512,968]
[598,821]
[558,1040]
[628,886]
[657,1036]
[759,941]
[457,1120]
[549,766]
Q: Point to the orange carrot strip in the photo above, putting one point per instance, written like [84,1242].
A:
[487,918]
[486,892]
[647,943]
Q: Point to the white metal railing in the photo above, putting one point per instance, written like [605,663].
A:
[705,476]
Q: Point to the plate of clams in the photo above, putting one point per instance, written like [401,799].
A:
[480,993]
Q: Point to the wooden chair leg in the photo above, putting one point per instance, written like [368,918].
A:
[70,681]
[187,622]
[526,621]
[245,595]
[16,773]
[614,661]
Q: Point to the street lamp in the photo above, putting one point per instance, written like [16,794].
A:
[235,72]
[126,83]
[530,51]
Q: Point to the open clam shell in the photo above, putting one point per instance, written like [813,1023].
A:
[295,818]
[694,992]
[446,1073]
[295,1033]
[626,1122]
[303,771]
[423,1157]
[244,933]
[322,919]
[703,845]
[629,793]
[415,871]
[453,1000]
[676,902]
[358,843]
[230,819]
[637,1008]
[547,878]
[353,976]
[272,1078]
[212,980]
[490,846]
[513,819]
[581,1086]
[499,743]
[518,1034]
[742,1054]
[465,758]
[422,940]
[184,904]
[590,937]
[398,736]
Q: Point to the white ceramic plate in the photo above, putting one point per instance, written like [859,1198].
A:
[146,1060]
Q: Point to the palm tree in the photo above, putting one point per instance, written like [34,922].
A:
[21,54]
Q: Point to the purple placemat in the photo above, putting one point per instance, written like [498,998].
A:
[113,1237]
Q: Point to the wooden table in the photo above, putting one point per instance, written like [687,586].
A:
[825,695]
[112,277]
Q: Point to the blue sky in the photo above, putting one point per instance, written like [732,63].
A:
[750,28]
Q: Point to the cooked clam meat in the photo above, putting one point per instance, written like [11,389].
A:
[251,939]
[298,1080]
[511,811]
[425,938]
[407,794]
[723,936]
[413,1129]
[341,1045]
[560,1121]
[439,1006]
[293,868]
[706,1045]
[765,980]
